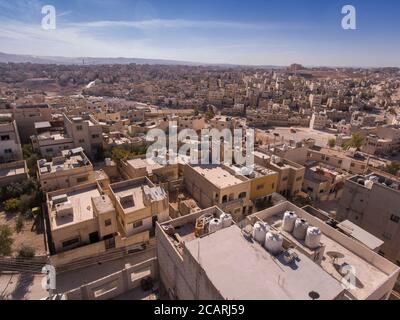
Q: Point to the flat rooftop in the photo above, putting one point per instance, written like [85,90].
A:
[132,194]
[81,203]
[368,276]
[243,270]
[12,169]
[63,164]
[360,234]
[217,175]
[149,164]
[53,136]
[135,192]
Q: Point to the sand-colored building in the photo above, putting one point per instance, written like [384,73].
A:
[219,185]
[205,256]
[71,169]
[139,205]
[80,216]
[371,201]
[290,174]
[10,144]
[13,172]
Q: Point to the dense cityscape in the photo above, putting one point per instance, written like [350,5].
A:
[80,194]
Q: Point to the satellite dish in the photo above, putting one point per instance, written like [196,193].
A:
[314,295]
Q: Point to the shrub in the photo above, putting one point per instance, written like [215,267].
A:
[12,205]
[332,143]
[6,240]
[19,223]
[26,252]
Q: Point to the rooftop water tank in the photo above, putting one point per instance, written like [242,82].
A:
[214,225]
[273,243]
[260,230]
[369,184]
[300,229]
[289,219]
[313,237]
[226,220]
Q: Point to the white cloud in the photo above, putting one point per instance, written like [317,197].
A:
[179,24]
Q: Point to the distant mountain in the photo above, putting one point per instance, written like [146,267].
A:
[17,58]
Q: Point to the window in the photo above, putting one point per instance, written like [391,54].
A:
[260,187]
[79,128]
[95,136]
[8,151]
[70,242]
[242,195]
[395,218]
[82,141]
[137,224]
[49,150]
[108,222]
[5,138]
[285,179]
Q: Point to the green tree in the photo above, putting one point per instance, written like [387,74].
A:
[19,223]
[26,252]
[12,205]
[332,143]
[119,154]
[6,240]
[356,141]
[210,113]
[31,158]
[393,168]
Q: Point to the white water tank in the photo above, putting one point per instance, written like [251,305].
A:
[260,230]
[313,237]
[369,184]
[214,225]
[226,220]
[289,219]
[300,229]
[273,243]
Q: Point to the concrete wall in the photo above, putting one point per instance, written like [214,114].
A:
[18,177]
[372,211]
[117,283]
[181,275]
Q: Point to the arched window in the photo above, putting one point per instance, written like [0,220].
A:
[224,199]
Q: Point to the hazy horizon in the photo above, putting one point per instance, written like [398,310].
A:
[251,33]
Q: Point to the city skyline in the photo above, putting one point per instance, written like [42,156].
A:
[255,33]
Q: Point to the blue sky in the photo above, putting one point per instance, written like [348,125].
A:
[253,32]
